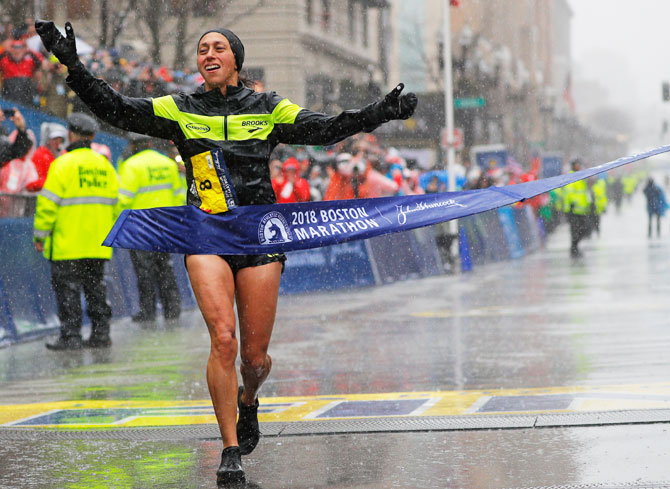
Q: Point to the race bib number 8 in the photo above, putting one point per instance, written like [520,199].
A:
[212,182]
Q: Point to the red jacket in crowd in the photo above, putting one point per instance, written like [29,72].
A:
[26,67]
[42,159]
[290,187]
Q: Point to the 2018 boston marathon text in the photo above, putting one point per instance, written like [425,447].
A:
[328,222]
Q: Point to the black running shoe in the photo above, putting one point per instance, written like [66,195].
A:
[248,432]
[230,469]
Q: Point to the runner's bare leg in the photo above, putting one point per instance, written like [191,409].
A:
[257,289]
[214,287]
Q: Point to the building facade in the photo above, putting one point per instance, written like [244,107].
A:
[320,53]
[511,57]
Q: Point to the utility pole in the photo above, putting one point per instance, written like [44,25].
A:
[449,106]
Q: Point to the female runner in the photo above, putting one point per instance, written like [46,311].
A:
[225,133]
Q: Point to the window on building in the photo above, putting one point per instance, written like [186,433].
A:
[79,9]
[257,76]
[351,9]
[203,8]
[325,15]
[320,92]
[309,11]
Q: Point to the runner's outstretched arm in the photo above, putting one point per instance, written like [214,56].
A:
[307,127]
[127,113]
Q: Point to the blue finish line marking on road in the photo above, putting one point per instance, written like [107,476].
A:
[117,414]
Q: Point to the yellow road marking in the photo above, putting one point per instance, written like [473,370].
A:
[82,414]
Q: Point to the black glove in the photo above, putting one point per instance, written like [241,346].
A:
[64,48]
[396,106]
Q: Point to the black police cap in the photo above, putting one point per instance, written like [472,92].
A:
[83,124]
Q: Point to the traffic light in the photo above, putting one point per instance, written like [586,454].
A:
[666,91]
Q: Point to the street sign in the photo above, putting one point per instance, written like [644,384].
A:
[457,141]
[469,103]
[489,156]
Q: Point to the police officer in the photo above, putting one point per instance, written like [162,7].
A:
[598,189]
[75,210]
[577,205]
[151,179]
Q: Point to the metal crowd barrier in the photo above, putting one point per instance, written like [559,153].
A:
[17,205]
[28,309]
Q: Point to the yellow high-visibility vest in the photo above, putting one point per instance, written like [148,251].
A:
[149,179]
[600,195]
[576,198]
[77,206]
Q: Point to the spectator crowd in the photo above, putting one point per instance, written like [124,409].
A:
[33,77]
[359,167]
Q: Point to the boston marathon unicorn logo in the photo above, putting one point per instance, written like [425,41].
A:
[274,229]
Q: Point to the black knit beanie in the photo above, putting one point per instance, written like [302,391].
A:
[235,44]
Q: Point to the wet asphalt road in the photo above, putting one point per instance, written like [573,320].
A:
[480,459]
[542,321]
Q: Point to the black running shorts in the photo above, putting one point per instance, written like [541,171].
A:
[238,262]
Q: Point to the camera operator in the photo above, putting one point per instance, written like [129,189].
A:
[340,186]
[21,145]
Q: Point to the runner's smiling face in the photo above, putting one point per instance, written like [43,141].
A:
[216,61]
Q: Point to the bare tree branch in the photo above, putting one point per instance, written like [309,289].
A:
[259,4]
[182,11]
[16,10]
[119,21]
[191,38]
[151,15]
[113,17]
